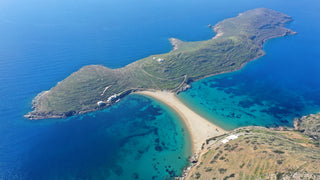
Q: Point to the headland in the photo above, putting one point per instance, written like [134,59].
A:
[261,153]
[244,153]
[238,41]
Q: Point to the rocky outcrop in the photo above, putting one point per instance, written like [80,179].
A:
[175,43]
[309,125]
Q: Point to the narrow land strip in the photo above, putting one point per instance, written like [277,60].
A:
[199,128]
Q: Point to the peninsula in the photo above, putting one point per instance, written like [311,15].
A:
[199,128]
[243,153]
[238,40]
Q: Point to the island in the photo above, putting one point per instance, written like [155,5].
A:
[243,153]
[238,41]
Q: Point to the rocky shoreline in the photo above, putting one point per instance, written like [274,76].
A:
[309,125]
[221,29]
[36,115]
[175,43]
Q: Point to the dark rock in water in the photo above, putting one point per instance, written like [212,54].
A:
[284,121]
[245,104]
[158,148]
[117,170]
[172,173]
[135,176]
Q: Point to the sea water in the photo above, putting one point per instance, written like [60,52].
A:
[135,139]
[42,42]
[273,90]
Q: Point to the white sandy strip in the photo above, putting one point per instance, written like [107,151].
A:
[200,129]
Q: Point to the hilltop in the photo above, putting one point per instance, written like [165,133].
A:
[238,40]
[258,153]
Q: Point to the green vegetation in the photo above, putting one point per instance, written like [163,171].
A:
[238,41]
[259,153]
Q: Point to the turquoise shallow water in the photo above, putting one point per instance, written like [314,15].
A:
[42,42]
[272,90]
[136,139]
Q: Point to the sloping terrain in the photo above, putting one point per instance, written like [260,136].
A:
[259,153]
[238,41]
[309,125]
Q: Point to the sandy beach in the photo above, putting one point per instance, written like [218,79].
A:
[199,128]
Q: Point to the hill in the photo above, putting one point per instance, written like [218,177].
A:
[238,40]
[259,153]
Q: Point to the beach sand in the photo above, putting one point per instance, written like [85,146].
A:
[199,128]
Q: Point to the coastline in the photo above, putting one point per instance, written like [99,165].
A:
[199,128]
[219,29]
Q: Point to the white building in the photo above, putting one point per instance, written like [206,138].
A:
[160,60]
[101,103]
[231,137]
[112,98]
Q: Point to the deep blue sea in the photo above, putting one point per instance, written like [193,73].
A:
[273,90]
[42,42]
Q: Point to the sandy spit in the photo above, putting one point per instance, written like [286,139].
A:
[199,128]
